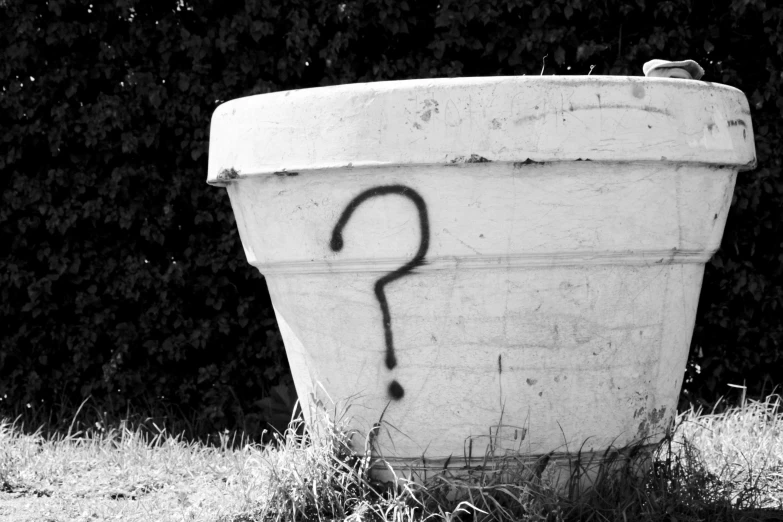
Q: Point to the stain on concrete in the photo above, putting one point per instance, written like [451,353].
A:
[473,158]
[430,107]
[656,416]
[644,430]
[520,164]
[228,174]
[638,91]
[650,422]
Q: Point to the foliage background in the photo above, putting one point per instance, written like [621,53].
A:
[122,276]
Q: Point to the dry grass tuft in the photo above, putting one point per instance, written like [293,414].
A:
[715,467]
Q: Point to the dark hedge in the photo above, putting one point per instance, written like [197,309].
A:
[122,275]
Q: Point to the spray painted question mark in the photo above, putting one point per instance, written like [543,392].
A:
[396,391]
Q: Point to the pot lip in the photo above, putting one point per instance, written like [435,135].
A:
[467,81]
[481,119]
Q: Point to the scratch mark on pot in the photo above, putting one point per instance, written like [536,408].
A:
[461,241]
[599,107]
[452,115]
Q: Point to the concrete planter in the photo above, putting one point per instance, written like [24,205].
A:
[508,265]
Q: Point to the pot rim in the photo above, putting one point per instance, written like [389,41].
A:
[453,121]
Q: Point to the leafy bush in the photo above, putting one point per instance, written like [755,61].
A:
[124,277]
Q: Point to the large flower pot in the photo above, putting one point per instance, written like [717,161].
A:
[505,266]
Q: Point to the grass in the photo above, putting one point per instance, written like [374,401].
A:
[714,467]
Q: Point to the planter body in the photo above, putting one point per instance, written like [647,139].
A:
[522,256]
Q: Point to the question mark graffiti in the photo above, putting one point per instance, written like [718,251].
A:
[396,391]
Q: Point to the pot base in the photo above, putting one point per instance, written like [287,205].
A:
[568,475]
